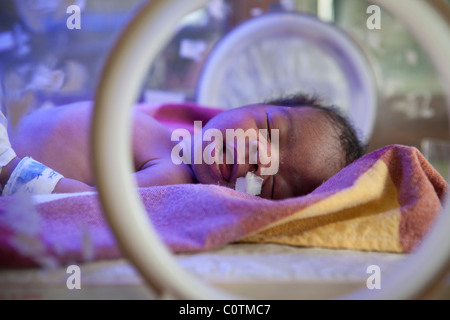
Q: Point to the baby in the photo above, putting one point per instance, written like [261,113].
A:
[310,144]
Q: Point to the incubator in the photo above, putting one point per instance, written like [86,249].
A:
[362,56]
[379,69]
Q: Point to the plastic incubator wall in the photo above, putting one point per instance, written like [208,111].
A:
[44,63]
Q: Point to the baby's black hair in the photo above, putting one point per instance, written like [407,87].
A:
[351,145]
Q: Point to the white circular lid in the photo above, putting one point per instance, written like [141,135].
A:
[285,53]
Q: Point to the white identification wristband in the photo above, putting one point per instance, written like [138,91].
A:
[31,177]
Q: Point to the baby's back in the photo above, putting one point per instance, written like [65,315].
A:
[59,138]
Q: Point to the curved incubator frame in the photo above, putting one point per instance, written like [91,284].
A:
[130,59]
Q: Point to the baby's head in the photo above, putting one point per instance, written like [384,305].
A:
[314,143]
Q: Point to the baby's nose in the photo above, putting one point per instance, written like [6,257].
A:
[255,162]
[253,152]
[264,155]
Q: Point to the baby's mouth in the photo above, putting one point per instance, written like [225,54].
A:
[224,166]
[226,171]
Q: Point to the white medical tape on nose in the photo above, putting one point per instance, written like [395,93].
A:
[251,184]
[31,177]
[6,152]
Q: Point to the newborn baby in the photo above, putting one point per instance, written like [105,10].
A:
[312,144]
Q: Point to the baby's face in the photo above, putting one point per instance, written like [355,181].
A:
[308,150]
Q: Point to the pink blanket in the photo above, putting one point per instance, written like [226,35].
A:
[386,201]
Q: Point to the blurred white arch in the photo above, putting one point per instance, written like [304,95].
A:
[122,77]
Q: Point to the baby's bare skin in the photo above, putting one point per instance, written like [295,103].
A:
[60,138]
[309,150]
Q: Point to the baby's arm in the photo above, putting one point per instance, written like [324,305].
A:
[66,185]
[152,148]
[156,173]
[163,172]
[29,176]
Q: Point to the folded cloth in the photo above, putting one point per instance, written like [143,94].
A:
[386,201]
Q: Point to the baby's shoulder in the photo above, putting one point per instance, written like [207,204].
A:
[151,139]
[147,127]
